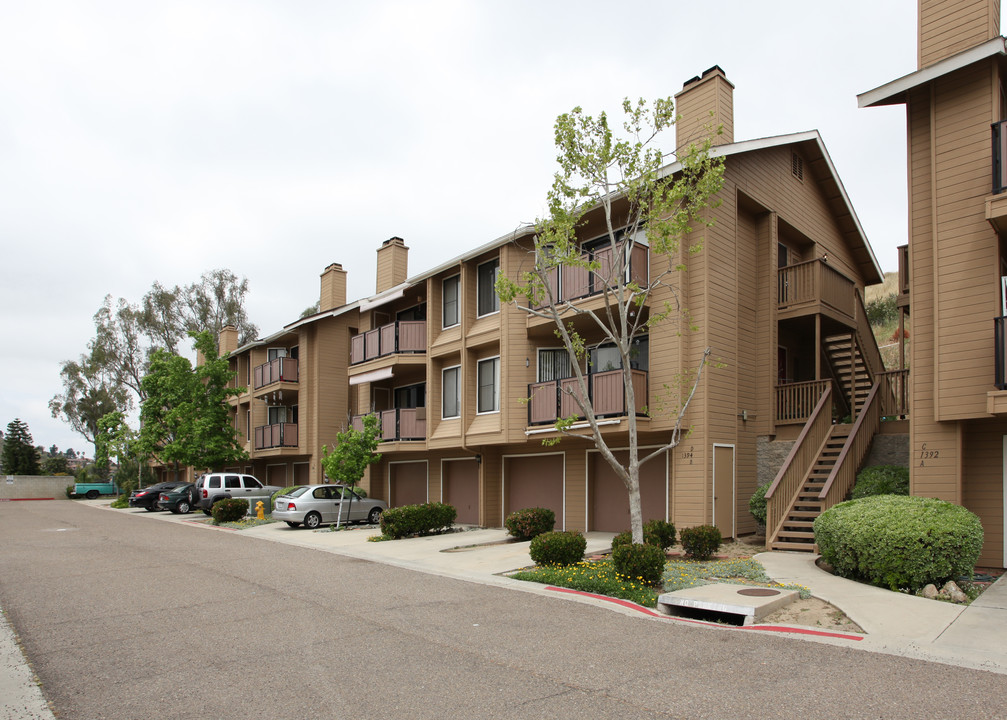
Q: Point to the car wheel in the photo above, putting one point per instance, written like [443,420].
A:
[92,495]
[153,508]
[312,520]
[183,508]
[292,524]
[374,516]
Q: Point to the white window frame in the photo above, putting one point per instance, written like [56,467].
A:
[274,353]
[496,300]
[538,362]
[458,301]
[496,385]
[458,392]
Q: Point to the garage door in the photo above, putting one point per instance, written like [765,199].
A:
[608,501]
[461,489]
[302,474]
[407,483]
[534,481]
[276,475]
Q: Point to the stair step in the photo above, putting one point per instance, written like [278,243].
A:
[784,545]
[804,513]
[796,534]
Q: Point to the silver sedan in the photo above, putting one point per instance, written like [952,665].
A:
[314,505]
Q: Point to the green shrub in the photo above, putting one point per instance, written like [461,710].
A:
[883,310]
[122,501]
[69,490]
[881,480]
[757,505]
[526,524]
[644,562]
[562,547]
[700,542]
[900,542]
[659,533]
[417,519]
[229,510]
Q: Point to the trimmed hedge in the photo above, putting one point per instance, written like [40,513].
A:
[530,522]
[229,510]
[640,562]
[881,480]
[422,519]
[900,542]
[659,533]
[700,542]
[757,505]
[562,547]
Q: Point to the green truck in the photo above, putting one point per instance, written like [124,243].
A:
[93,490]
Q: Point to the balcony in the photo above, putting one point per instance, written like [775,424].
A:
[796,401]
[279,370]
[553,399]
[398,424]
[281,435]
[573,283]
[405,336]
[814,287]
[996,206]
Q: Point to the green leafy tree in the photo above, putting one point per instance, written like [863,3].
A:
[184,419]
[621,182]
[353,452]
[89,392]
[55,465]
[19,454]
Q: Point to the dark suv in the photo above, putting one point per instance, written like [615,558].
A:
[216,486]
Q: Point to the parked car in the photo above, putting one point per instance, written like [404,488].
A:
[317,504]
[92,490]
[178,500]
[147,497]
[213,487]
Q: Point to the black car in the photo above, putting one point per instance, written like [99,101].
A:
[147,497]
[178,500]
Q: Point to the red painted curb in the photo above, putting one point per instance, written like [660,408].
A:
[23,499]
[647,611]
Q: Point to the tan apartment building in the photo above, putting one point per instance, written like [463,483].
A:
[468,388]
[954,268]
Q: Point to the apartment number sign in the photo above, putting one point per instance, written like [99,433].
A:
[927,453]
[688,454]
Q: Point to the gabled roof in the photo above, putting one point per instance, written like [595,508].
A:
[894,93]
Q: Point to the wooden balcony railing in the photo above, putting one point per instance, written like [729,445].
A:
[398,424]
[1000,353]
[279,370]
[894,393]
[554,399]
[903,269]
[405,336]
[574,283]
[796,401]
[999,157]
[812,282]
[844,472]
[276,436]
[795,468]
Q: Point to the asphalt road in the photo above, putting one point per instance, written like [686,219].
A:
[122,616]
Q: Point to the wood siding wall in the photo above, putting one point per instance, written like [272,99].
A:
[947,27]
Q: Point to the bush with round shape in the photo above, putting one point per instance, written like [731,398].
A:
[659,533]
[422,519]
[526,524]
[881,480]
[640,562]
[560,547]
[900,542]
[700,542]
[229,510]
[757,505]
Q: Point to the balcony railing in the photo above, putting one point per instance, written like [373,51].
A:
[398,424]
[1000,352]
[276,436]
[554,399]
[999,157]
[894,393]
[796,401]
[404,336]
[815,281]
[572,283]
[279,370]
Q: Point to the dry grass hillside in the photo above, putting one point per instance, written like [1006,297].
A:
[882,297]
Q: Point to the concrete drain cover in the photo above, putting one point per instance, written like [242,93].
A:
[759,592]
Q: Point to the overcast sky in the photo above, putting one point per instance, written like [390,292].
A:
[144,141]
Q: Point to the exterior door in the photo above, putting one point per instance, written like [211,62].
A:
[723,489]
[608,501]
[407,483]
[534,481]
[460,488]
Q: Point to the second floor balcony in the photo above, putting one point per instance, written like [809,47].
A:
[813,287]
[282,369]
[555,399]
[398,424]
[404,336]
[280,435]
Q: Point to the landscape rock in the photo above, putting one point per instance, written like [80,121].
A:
[953,592]
[930,592]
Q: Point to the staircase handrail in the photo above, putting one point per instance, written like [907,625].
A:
[868,348]
[844,472]
[800,459]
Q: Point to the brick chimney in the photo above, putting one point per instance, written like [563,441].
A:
[333,287]
[227,340]
[947,27]
[699,97]
[393,258]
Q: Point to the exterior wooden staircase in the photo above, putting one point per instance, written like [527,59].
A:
[796,532]
[850,368]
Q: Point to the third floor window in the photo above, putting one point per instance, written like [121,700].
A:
[487,301]
[449,302]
